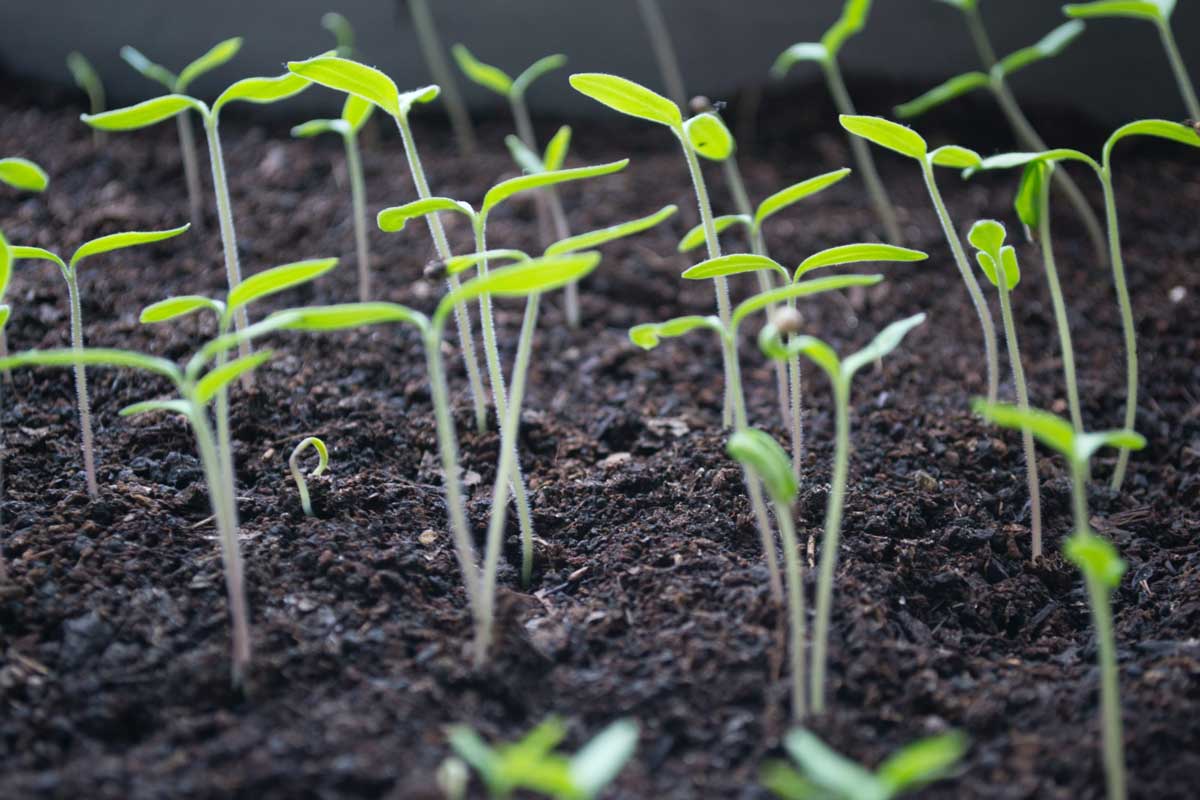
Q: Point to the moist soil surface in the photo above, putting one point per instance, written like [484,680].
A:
[649,597]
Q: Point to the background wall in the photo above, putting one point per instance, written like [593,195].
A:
[1116,71]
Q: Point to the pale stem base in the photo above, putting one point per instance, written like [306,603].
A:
[233,269]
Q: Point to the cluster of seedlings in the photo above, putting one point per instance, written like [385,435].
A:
[476,279]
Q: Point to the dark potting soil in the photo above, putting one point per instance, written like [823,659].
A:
[649,598]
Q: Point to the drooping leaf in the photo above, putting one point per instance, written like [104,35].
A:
[1049,46]
[1096,558]
[1028,202]
[486,75]
[148,69]
[708,136]
[219,55]
[628,97]
[736,264]
[91,357]
[278,279]
[648,335]
[594,239]
[556,149]
[1134,9]
[795,193]
[696,237]
[262,90]
[955,157]
[856,254]
[803,289]
[921,762]
[536,70]
[943,93]
[886,133]
[831,770]
[120,241]
[1156,128]
[227,373]
[345,75]
[19,252]
[506,189]
[852,20]
[764,457]
[884,342]
[176,307]
[21,173]
[1011,160]
[599,761]
[144,114]
[804,51]
[395,218]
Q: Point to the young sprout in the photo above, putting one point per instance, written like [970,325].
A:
[532,764]
[151,112]
[841,373]
[664,50]
[23,175]
[217,56]
[88,80]
[999,263]
[825,53]
[650,335]
[370,84]
[763,456]
[1156,128]
[298,474]
[1094,555]
[342,31]
[908,142]
[825,773]
[1156,11]
[439,69]
[355,113]
[994,77]
[69,269]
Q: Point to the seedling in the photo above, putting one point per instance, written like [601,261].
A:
[217,56]
[762,455]
[825,773]
[298,474]
[104,244]
[1094,555]
[23,175]
[342,31]
[355,113]
[1156,11]
[908,142]
[88,80]
[533,764]
[151,112]
[841,373]
[1156,128]
[368,83]
[650,335]
[999,263]
[825,53]
[664,50]
[994,78]
[439,69]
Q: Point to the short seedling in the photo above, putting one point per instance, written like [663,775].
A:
[298,473]
[908,142]
[826,774]
[220,54]
[104,244]
[355,113]
[664,50]
[825,53]
[994,77]
[999,263]
[88,80]
[1157,128]
[532,764]
[841,373]
[1094,555]
[439,69]
[26,176]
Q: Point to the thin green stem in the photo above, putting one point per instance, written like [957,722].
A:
[664,50]
[443,76]
[797,415]
[1018,373]
[795,592]
[81,387]
[829,543]
[1060,309]
[191,169]
[233,269]
[1110,693]
[358,197]
[1079,496]
[986,323]
[1186,89]
[979,35]
[1127,325]
[863,158]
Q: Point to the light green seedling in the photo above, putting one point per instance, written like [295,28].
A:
[355,113]
[69,270]
[298,474]
[1156,11]
[907,142]
[439,68]
[342,31]
[1155,128]
[664,50]
[26,176]
[88,80]
[999,263]
[1094,555]
[841,373]
[533,763]
[220,54]
[511,89]
[825,53]
[994,78]
[825,774]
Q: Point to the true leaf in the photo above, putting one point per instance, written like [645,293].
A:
[120,241]
[351,77]
[395,218]
[886,133]
[1096,557]
[628,97]
[696,236]
[884,342]
[857,254]
[262,90]
[766,459]
[648,335]
[278,279]
[802,289]
[709,137]
[921,762]
[227,373]
[1049,46]
[795,193]
[506,189]
[175,307]
[536,70]
[487,76]
[987,235]
[735,264]
[144,114]
[219,55]
[21,173]
[593,239]
[943,93]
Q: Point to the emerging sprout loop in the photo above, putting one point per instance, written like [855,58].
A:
[298,474]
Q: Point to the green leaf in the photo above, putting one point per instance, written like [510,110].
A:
[151,406]
[219,55]
[1157,128]
[18,252]
[649,335]
[120,241]
[275,322]
[6,262]
[795,193]
[506,189]
[628,97]
[1028,202]
[599,761]
[556,149]
[987,235]
[830,770]
[785,782]
[21,173]
[5,313]
[1088,444]
[853,19]
[227,373]
[395,218]
[765,458]
[148,69]
[476,752]
[696,236]
[1096,558]
[804,51]
[459,264]
[921,762]
[956,157]
[857,254]
[262,90]
[535,276]
[736,264]
[813,348]
[802,289]
[91,357]
[536,70]
[943,93]
[316,127]
[144,114]
[278,279]
[529,161]
[349,315]
[1133,9]
[351,77]
[176,307]
[342,30]
[85,74]
[594,239]
[708,136]
[885,342]
[1049,46]
[487,76]
[886,133]
[1011,160]
[1051,430]
[356,111]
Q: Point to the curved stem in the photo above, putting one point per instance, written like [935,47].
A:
[443,76]
[233,269]
[1018,372]
[1060,310]
[1127,325]
[1186,89]
[795,592]
[81,387]
[664,50]
[358,198]
[191,169]
[829,544]
[964,269]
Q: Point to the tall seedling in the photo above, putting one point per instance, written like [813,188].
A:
[220,53]
[439,69]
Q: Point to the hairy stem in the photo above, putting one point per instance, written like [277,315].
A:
[443,76]
[1127,325]
[1018,372]
[233,269]
[795,592]
[358,197]
[191,169]
[829,544]
[81,387]
[664,50]
[1186,89]
[1060,310]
